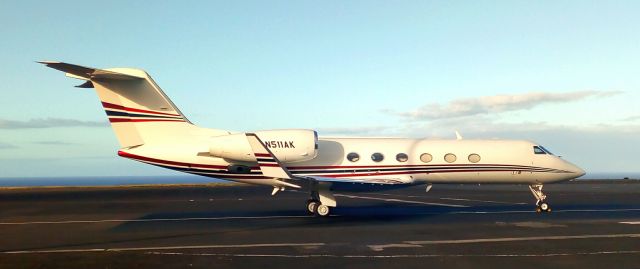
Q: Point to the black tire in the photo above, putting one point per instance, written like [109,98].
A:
[323,210]
[311,206]
[544,207]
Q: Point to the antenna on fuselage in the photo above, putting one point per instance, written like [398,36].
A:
[458,136]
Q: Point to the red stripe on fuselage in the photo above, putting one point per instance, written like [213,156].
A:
[262,154]
[142,158]
[412,172]
[140,120]
[398,166]
[114,106]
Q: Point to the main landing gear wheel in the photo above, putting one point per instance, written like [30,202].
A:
[322,210]
[311,206]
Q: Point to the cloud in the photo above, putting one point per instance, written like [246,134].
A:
[7,146]
[49,123]
[479,127]
[358,131]
[589,146]
[496,104]
[55,143]
[488,127]
[632,118]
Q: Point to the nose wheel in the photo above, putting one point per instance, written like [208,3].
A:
[541,199]
[543,207]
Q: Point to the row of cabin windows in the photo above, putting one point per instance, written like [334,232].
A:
[402,157]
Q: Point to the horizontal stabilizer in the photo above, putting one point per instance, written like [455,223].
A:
[87,73]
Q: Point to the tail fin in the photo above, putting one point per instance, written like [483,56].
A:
[137,108]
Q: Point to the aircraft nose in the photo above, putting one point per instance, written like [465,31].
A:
[575,170]
[579,171]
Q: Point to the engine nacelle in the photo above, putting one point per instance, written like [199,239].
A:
[288,146]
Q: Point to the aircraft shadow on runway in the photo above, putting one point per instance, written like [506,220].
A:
[371,213]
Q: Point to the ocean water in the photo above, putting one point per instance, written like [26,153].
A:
[185,179]
[105,181]
[611,175]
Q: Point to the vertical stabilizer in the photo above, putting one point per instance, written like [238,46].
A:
[136,107]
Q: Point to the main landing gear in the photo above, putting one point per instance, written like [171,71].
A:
[321,202]
[312,204]
[541,199]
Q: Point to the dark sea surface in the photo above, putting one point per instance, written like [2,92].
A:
[105,181]
[184,179]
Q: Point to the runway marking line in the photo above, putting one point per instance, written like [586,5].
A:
[392,200]
[306,216]
[483,201]
[630,222]
[398,256]
[397,200]
[405,244]
[149,220]
[166,248]
[452,199]
[514,239]
[554,212]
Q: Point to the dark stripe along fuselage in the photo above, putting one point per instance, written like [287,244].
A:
[219,171]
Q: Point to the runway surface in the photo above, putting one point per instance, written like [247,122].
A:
[593,225]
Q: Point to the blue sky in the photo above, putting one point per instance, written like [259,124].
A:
[563,73]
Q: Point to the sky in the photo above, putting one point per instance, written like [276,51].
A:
[562,73]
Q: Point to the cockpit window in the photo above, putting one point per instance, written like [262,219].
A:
[546,150]
[538,150]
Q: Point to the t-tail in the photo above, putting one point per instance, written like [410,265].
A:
[138,110]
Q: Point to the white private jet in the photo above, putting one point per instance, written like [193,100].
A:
[152,130]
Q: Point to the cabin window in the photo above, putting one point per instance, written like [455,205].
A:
[401,157]
[426,157]
[450,157]
[538,150]
[474,158]
[353,157]
[377,157]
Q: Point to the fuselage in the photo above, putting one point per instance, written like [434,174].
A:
[408,160]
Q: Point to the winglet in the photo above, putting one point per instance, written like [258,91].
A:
[269,164]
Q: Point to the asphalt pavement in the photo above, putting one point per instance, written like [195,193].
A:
[593,224]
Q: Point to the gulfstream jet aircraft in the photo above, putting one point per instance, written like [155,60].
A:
[151,129]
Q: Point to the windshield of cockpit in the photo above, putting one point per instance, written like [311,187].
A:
[541,150]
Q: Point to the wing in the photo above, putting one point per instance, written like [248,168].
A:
[272,167]
[269,164]
[370,180]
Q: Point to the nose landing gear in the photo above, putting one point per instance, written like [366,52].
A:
[541,199]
